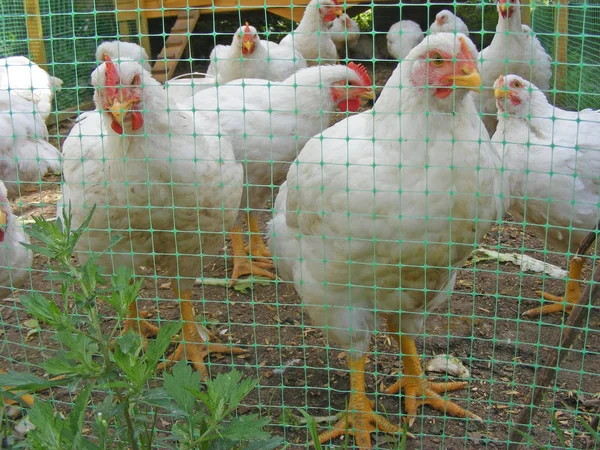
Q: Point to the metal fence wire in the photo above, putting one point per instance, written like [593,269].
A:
[374,210]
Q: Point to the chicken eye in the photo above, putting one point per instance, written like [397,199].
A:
[437,59]
[517,84]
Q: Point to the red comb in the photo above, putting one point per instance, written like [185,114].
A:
[362,73]
[500,80]
[112,76]
[464,50]
[247,28]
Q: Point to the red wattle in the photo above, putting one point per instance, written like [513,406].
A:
[116,126]
[351,105]
[1,235]
[330,17]
[442,92]
[137,120]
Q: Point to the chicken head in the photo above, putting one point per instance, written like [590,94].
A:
[506,8]
[516,96]
[329,10]
[248,38]
[348,96]
[120,96]
[441,67]
[442,18]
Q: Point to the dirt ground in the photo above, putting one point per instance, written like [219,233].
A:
[482,326]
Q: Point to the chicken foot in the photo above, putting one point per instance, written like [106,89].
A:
[572,294]
[193,347]
[137,322]
[361,420]
[419,391]
[242,263]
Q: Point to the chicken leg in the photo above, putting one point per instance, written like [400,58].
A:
[257,248]
[193,347]
[140,326]
[571,295]
[419,391]
[360,420]
[242,264]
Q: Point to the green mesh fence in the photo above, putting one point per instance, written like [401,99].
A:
[582,54]
[72,31]
[479,337]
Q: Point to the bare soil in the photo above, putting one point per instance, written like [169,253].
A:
[296,368]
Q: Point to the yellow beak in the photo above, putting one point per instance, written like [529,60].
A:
[339,11]
[249,45]
[2,219]
[118,109]
[503,7]
[368,94]
[469,78]
[500,93]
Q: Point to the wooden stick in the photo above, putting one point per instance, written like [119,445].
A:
[546,376]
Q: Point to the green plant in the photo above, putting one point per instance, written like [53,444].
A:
[118,369]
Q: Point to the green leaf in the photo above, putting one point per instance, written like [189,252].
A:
[129,343]
[227,388]
[61,366]
[248,427]
[19,379]
[269,444]
[589,429]
[559,432]
[157,348]
[177,384]
[43,309]
[160,397]
[77,415]
[47,428]
[241,286]
[312,428]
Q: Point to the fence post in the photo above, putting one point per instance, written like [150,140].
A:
[561,27]
[35,32]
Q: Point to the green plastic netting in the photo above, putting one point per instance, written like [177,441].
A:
[72,31]
[296,368]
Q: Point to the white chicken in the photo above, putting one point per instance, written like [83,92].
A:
[14,258]
[249,57]
[25,154]
[159,182]
[123,49]
[268,125]
[367,205]
[513,50]
[245,57]
[312,39]
[28,80]
[344,33]
[447,22]
[402,37]
[552,161]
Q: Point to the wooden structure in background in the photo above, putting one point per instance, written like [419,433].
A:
[188,13]
[35,32]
